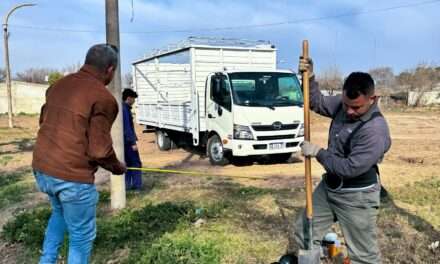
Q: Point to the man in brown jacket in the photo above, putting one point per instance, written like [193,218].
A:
[73,140]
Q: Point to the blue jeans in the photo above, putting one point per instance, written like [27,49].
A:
[73,210]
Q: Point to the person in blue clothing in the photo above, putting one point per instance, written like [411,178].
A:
[133,178]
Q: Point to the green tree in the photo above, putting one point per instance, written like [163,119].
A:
[54,77]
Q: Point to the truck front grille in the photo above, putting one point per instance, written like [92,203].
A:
[291,144]
[260,146]
[276,137]
[273,128]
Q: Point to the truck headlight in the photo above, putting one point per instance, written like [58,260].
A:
[301,130]
[242,132]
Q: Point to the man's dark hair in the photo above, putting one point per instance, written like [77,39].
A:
[128,93]
[102,56]
[358,83]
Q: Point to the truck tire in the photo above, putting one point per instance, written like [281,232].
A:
[163,142]
[216,153]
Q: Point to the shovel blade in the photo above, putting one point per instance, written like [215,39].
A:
[309,256]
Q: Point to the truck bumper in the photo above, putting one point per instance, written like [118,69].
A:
[254,147]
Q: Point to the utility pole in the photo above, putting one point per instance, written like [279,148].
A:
[7,65]
[117,182]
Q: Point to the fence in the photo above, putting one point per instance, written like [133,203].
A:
[26,97]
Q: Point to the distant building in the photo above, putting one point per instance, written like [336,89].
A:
[428,98]
[26,97]
[330,92]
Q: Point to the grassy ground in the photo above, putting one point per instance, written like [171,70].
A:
[182,219]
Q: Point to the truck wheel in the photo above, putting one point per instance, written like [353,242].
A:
[280,158]
[163,141]
[216,153]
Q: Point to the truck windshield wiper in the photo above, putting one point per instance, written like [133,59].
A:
[258,104]
[271,107]
[288,103]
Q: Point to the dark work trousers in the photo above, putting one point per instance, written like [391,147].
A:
[356,213]
[133,178]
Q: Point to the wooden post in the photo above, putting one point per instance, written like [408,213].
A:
[117,182]
[308,164]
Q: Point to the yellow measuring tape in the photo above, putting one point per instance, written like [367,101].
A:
[195,173]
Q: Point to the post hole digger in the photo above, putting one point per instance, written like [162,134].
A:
[311,254]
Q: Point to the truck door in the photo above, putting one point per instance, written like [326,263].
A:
[219,106]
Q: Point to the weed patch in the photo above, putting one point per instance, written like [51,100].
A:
[12,187]
[183,248]
[423,197]
[28,228]
[249,192]
[217,243]
[214,209]
[161,233]
[8,178]
[420,193]
[4,160]
[104,196]
[13,193]
[144,224]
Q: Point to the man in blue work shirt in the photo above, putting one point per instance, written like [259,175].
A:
[350,190]
[133,178]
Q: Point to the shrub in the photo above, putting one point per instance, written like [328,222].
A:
[28,228]
[182,249]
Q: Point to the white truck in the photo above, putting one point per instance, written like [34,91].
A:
[222,94]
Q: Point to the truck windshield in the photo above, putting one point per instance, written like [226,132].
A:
[265,89]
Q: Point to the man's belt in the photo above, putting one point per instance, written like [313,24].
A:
[335,182]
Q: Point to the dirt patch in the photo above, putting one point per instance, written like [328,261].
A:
[9,252]
[412,160]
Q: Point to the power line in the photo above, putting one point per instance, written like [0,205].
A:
[288,22]
[132,11]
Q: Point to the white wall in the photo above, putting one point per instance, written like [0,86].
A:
[428,98]
[26,97]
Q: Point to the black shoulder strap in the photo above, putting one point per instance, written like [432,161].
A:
[337,111]
[333,119]
[356,129]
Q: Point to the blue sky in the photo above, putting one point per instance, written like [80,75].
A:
[57,33]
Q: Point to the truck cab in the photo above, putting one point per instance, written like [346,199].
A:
[252,113]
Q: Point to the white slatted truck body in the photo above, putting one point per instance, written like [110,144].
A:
[230,99]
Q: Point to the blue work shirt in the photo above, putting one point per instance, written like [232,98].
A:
[130,137]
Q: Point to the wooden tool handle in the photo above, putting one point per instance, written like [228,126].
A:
[308,165]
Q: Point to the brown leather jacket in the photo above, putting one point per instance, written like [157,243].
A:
[75,123]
